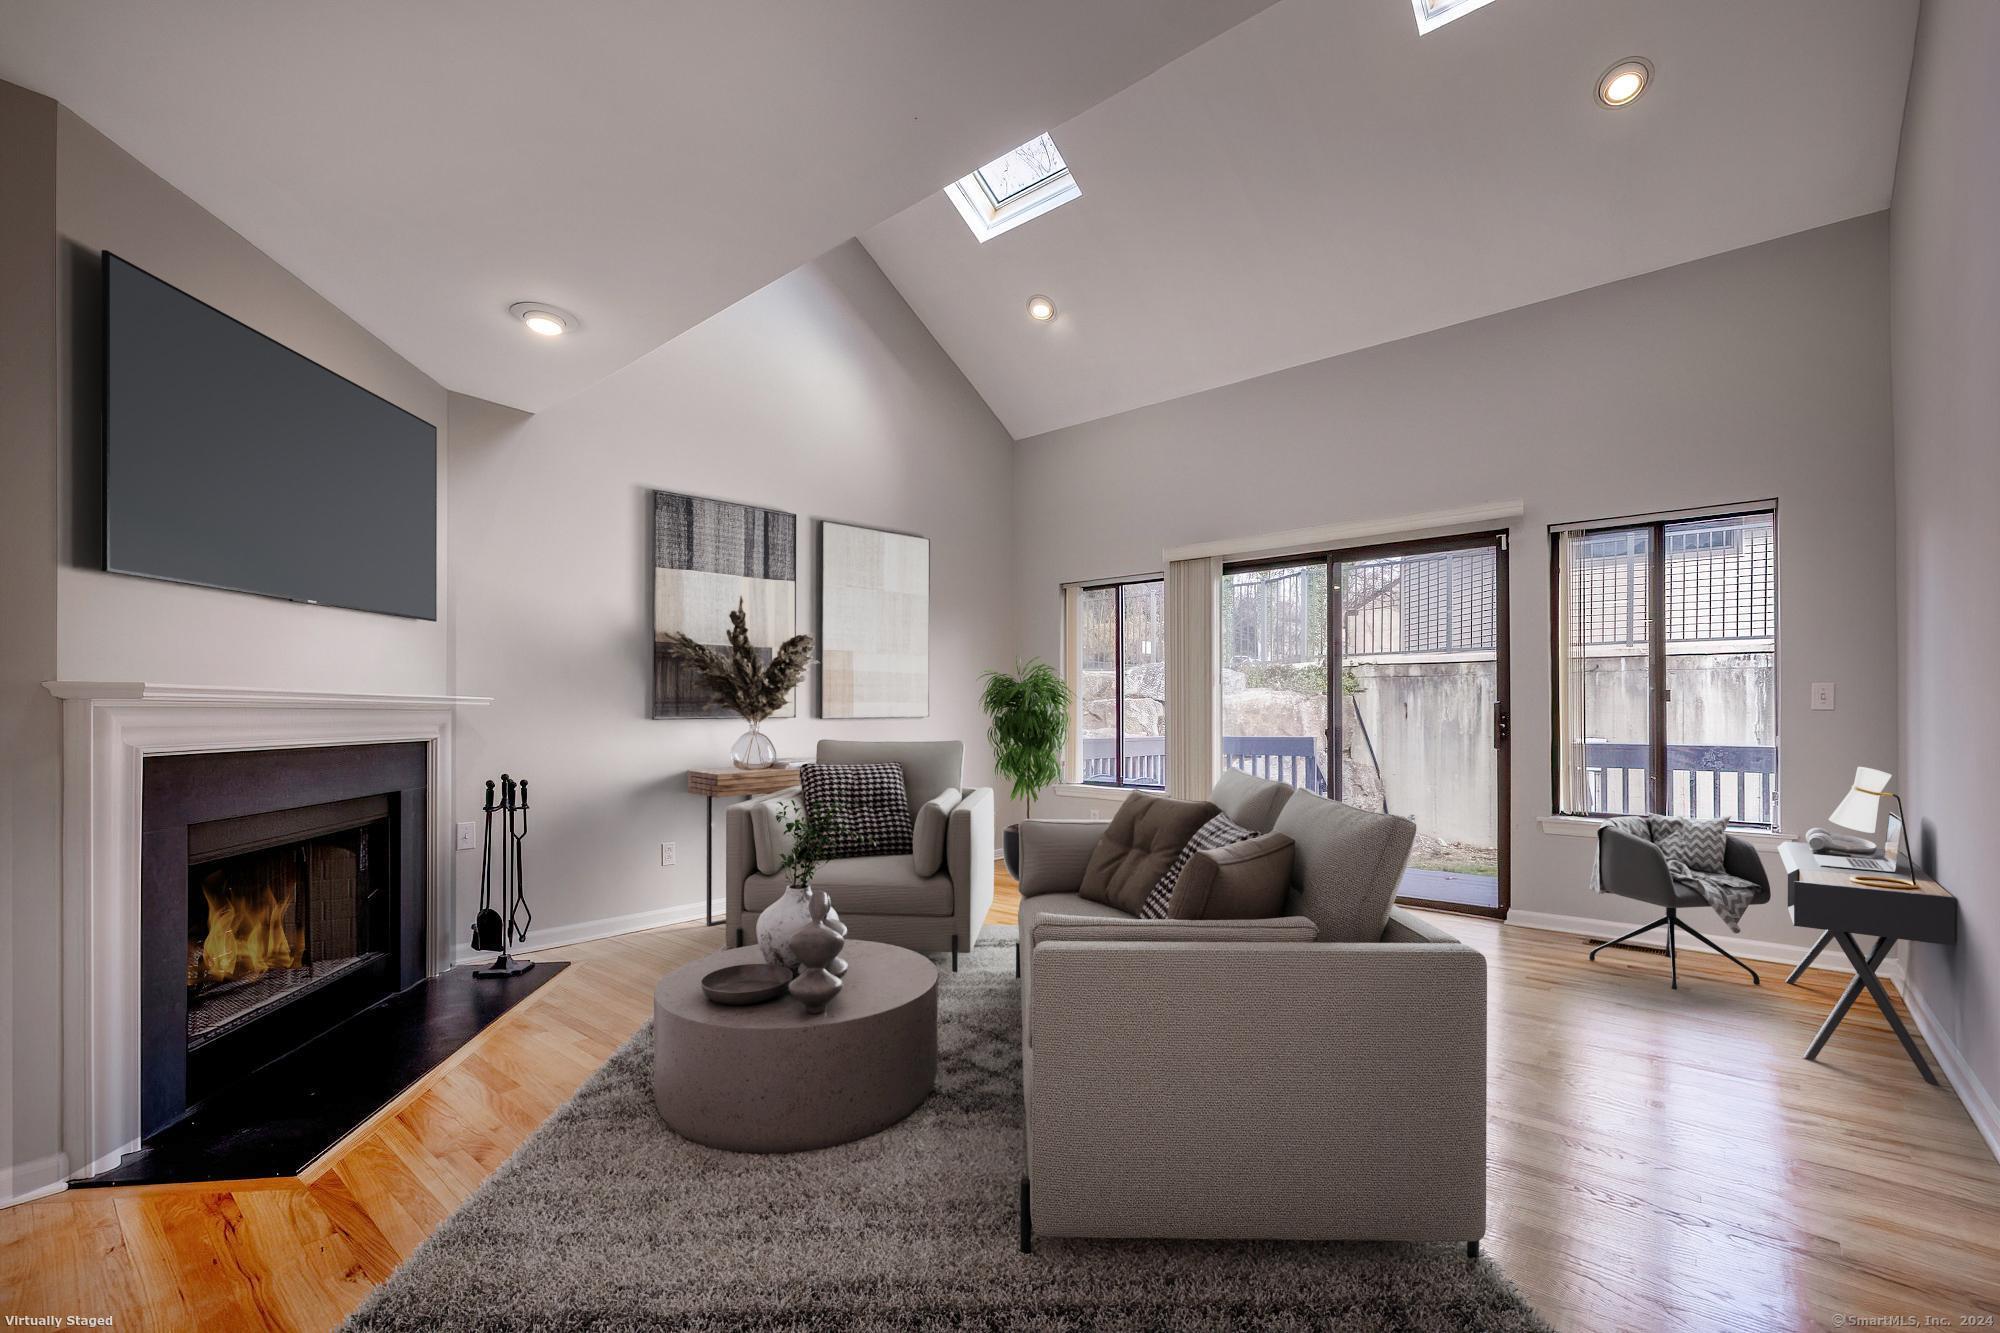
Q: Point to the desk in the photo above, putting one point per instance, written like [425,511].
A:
[1830,900]
[714,782]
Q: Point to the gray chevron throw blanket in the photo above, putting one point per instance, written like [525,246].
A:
[1694,850]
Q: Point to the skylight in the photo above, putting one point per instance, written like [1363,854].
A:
[1433,14]
[1014,187]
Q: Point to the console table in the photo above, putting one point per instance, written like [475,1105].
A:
[1832,901]
[714,782]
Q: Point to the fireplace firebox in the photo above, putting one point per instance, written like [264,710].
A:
[283,892]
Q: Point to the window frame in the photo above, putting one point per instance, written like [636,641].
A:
[988,217]
[1073,674]
[1434,14]
[1659,694]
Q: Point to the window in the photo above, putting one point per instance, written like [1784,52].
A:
[1434,14]
[1013,188]
[1117,657]
[1666,671]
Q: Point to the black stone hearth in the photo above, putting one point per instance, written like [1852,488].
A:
[282,957]
[306,1101]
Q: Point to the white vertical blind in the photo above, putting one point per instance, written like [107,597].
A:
[1570,751]
[1194,703]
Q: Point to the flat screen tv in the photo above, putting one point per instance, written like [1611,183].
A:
[233,462]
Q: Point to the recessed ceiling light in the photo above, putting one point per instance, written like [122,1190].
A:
[543,318]
[1623,82]
[1041,309]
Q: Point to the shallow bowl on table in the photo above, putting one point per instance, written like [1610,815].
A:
[746,983]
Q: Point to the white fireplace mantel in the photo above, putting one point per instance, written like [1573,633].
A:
[110,728]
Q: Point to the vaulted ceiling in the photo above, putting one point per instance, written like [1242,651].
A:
[1263,184]
[644,165]
[1321,178]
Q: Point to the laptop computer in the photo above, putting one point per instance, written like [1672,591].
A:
[1893,861]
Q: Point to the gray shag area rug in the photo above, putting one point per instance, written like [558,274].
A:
[606,1219]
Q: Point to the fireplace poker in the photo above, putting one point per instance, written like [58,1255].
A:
[513,800]
[487,930]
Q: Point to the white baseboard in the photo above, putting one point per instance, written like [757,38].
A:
[556,937]
[1831,959]
[1972,1094]
[34,1180]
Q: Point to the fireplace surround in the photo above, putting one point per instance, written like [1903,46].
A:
[111,731]
[281,891]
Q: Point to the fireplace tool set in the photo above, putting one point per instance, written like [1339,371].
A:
[508,924]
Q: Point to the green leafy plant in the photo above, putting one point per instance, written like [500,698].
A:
[811,830]
[739,681]
[1029,716]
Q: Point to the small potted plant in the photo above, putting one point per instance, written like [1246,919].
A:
[810,831]
[1028,713]
[744,685]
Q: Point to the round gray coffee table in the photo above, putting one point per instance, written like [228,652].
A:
[773,1078]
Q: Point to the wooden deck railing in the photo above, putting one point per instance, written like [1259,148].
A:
[1734,782]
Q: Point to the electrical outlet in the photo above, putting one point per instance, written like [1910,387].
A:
[467,838]
[668,855]
[1822,696]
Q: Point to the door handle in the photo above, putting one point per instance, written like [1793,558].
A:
[1499,726]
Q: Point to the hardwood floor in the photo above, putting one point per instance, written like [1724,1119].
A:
[1658,1159]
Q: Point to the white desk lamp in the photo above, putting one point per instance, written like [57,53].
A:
[1862,807]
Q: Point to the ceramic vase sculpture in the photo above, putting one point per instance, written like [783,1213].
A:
[753,749]
[833,923]
[778,923]
[816,945]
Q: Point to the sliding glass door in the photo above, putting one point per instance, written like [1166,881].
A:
[1378,677]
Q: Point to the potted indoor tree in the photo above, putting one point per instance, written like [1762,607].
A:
[1028,713]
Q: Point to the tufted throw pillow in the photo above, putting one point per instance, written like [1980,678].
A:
[874,807]
[1217,832]
[1699,844]
[1245,881]
[1142,840]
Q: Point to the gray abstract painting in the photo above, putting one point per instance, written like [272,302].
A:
[708,555]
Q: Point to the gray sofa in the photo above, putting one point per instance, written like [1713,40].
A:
[1250,1079]
[884,897]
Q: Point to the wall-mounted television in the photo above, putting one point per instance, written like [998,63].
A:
[233,462]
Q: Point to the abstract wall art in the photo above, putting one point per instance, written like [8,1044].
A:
[874,623]
[707,555]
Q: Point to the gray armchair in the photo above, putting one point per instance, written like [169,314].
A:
[1317,1076]
[1633,867]
[885,898]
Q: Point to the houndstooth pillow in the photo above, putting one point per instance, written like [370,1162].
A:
[1217,832]
[1699,844]
[873,803]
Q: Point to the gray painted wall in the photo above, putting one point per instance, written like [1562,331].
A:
[1753,374]
[1945,335]
[116,627]
[30,718]
[821,394]
[69,193]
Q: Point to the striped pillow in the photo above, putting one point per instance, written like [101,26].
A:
[1217,832]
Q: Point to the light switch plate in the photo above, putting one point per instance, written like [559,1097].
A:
[467,838]
[1822,696]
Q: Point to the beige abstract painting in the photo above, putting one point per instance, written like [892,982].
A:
[874,621]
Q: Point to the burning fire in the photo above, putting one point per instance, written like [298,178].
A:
[249,930]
